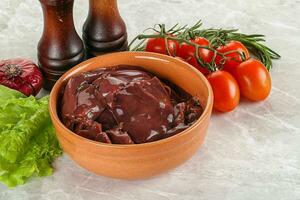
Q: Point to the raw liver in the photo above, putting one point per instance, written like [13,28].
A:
[126,105]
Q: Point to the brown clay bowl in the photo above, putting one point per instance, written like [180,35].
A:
[138,160]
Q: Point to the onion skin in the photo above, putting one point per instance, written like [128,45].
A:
[22,75]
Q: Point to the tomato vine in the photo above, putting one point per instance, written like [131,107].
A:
[217,37]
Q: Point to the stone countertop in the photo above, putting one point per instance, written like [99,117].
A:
[250,153]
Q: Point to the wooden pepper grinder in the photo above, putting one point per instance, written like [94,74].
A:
[104,30]
[60,48]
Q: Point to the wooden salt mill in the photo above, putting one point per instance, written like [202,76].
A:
[104,30]
[60,48]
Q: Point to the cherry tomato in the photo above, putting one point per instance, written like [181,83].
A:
[232,60]
[158,45]
[254,79]
[226,90]
[193,61]
[187,52]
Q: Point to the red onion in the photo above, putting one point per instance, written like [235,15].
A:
[22,75]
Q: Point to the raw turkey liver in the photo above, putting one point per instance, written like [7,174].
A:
[126,105]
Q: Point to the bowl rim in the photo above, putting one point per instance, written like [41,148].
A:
[53,105]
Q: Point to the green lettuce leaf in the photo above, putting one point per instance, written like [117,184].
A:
[28,144]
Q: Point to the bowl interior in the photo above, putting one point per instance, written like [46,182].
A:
[174,70]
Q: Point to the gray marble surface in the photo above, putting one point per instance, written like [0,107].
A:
[251,153]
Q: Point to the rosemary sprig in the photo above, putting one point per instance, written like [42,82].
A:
[253,42]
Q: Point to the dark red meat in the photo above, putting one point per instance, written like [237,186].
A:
[126,105]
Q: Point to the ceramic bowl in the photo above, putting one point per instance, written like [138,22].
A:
[136,161]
